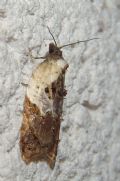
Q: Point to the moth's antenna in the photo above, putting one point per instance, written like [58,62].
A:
[77,42]
[52,35]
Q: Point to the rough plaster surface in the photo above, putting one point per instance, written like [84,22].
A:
[89,149]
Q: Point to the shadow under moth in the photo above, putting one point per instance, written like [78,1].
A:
[42,112]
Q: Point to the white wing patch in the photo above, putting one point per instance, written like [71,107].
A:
[43,76]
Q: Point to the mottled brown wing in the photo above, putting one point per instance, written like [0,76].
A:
[39,136]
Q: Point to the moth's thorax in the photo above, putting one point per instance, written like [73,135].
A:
[42,77]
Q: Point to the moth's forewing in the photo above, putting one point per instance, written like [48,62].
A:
[39,134]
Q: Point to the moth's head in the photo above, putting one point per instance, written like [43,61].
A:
[54,50]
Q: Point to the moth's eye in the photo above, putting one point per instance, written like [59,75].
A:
[58,52]
[51,48]
[46,90]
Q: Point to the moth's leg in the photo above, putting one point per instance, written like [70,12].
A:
[33,57]
[24,84]
[29,53]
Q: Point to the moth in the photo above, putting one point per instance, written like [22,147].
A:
[42,112]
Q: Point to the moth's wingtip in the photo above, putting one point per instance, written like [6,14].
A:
[51,163]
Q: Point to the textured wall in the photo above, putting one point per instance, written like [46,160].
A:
[89,149]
